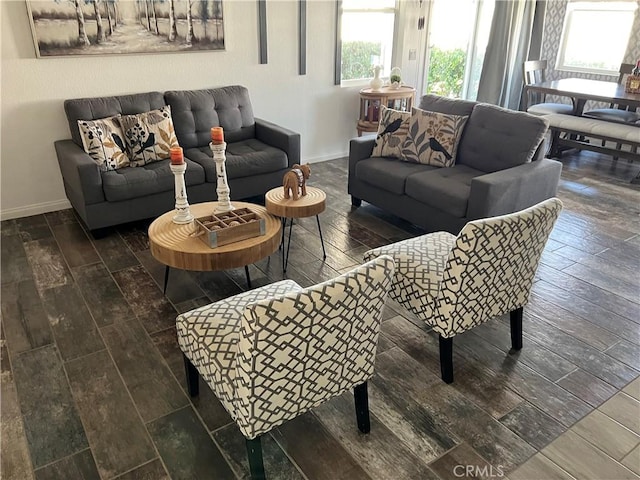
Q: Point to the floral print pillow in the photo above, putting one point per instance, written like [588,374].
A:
[103,140]
[392,132]
[433,138]
[149,136]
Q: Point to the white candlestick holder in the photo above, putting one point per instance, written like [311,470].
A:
[219,156]
[183,213]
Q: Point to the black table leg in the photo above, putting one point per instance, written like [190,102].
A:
[285,258]
[166,279]
[284,225]
[324,253]
[246,272]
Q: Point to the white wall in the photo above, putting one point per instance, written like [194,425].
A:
[33,90]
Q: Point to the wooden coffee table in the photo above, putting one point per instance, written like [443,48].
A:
[177,246]
[313,203]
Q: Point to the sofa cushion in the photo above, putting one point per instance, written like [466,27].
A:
[104,141]
[433,138]
[134,182]
[196,111]
[392,131]
[446,189]
[149,136]
[101,107]
[244,159]
[387,174]
[435,103]
[496,138]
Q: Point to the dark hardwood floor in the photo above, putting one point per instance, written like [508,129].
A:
[93,383]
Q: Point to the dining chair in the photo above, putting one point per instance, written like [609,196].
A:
[617,113]
[275,352]
[534,72]
[454,283]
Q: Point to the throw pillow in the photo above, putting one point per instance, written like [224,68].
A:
[103,140]
[149,136]
[392,132]
[433,138]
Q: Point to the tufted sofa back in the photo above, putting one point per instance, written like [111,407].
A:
[102,107]
[194,112]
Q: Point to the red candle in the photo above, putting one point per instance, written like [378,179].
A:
[217,135]
[177,158]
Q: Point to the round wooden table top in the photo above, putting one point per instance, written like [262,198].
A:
[177,245]
[313,203]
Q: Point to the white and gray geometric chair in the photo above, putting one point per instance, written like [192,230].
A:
[273,353]
[455,283]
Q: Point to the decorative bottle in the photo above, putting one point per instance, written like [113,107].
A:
[376,81]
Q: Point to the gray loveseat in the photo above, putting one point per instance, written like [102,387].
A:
[500,168]
[258,154]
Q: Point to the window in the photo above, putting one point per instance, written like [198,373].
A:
[366,29]
[595,36]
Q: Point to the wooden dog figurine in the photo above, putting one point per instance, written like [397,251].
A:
[294,181]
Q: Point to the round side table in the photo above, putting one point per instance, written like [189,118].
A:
[313,203]
[371,101]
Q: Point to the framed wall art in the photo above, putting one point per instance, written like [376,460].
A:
[105,27]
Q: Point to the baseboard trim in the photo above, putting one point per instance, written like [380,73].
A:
[35,209]
[324,158]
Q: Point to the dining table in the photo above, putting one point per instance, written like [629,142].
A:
[580,90]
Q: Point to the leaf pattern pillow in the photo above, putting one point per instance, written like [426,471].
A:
[392,131]
[103,140]
[149,136]
[433,138]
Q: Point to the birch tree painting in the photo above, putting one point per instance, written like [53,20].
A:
[102,27]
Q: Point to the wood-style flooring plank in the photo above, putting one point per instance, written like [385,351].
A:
[584,461]
[25,322]
[633,389]
[276,463]
[632,460]
[151,471]
[80,466]
[533,425]
[14,266]
[624,409]
[150,382]
[540,467]
[626,352]
[51,421]
[186,448]
[15,461]
[33,228]
[76,247]
[114,252]
[380,452]
[48,265]
[463,462]
[318,454]
[587,387]
[606,434]
[117,435]
[73,328]
[102,295]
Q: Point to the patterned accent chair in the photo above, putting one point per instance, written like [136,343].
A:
[455,283]
[273,353]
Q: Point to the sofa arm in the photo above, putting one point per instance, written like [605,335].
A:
[513,189]
[79,171]
[359,149]
[279,137]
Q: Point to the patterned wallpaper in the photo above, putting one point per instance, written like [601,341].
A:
[554,21]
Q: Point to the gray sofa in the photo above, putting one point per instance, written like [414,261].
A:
[258,154]
[500,168]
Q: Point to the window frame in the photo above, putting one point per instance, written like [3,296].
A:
[338,43]
[591,6]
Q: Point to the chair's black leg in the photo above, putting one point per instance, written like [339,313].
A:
[254,453]
[166,279]
[356,202]
[324,253]
[516,330]
[246,273]
[362,407]
[446,359]
[193,378]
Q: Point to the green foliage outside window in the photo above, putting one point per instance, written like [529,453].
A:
[446,72]
[357,59]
